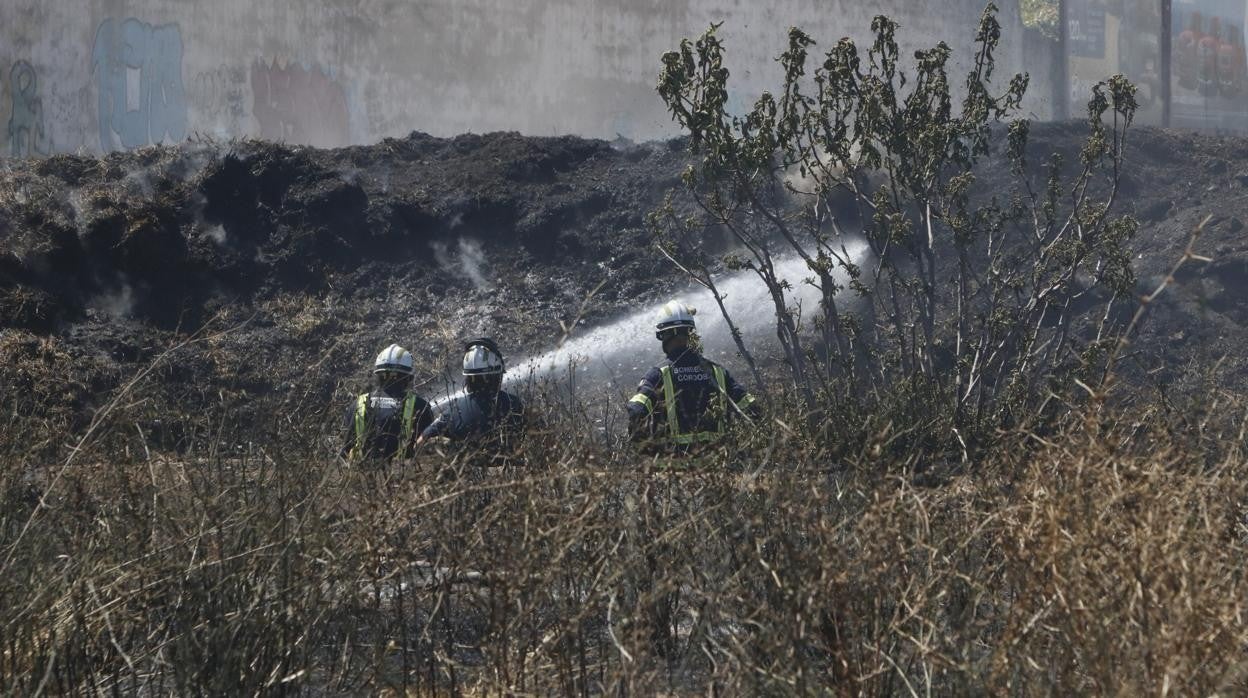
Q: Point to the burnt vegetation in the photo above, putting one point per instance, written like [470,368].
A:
[986,466]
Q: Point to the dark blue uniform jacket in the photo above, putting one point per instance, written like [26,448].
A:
[693,381]
[473,416]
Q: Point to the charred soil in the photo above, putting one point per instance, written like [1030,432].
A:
[313,259]
[223,301]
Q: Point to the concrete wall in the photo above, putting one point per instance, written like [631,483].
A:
[106,74]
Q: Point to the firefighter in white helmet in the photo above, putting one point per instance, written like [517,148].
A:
[688,399]
[383,424]
[485,413]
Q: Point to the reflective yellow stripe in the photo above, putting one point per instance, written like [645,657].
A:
[405,431]
[361,425]
[361,409]
[673,421]
[701,437]
[644,401]
[669,398]
[721,379]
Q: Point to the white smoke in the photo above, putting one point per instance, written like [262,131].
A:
[442,256]
[141,182]
[196,205]
[807,182]
[468,260]
[472,261]
[216,233]
[115,304]
[77,199]
[353,175]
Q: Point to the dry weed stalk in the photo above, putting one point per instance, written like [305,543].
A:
[1103,558]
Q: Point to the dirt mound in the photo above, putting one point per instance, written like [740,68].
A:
[161,233]
[319,255]
[314,258]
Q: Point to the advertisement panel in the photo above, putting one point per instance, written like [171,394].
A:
[1208,65]
[1110,37]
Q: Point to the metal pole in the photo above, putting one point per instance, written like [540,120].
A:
[1167,29]
[1061,109]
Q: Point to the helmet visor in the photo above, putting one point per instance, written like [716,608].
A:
[391,376]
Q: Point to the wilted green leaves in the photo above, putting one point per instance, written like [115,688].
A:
[967,269]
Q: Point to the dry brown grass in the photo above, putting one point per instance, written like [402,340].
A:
[1104,558]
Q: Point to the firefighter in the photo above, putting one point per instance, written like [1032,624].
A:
[383,424]
[687,400]
[485,413]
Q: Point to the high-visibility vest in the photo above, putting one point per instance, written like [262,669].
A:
[361,425]
[719,403]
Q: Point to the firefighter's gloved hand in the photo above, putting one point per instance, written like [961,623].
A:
[638,428]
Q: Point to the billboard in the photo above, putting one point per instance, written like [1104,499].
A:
[1208,65]
[1111,37]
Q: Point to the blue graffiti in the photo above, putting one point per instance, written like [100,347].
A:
[139,72]
[26,134]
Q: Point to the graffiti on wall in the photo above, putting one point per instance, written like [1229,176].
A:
[299,105]
[26,131]
[138,70]
[218,100]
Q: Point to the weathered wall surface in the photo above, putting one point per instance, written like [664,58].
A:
[111,74]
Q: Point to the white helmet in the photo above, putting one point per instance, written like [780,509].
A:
[482,358]
[674,315]
[394,358]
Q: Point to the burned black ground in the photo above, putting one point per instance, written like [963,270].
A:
[227,297]
[313,259]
